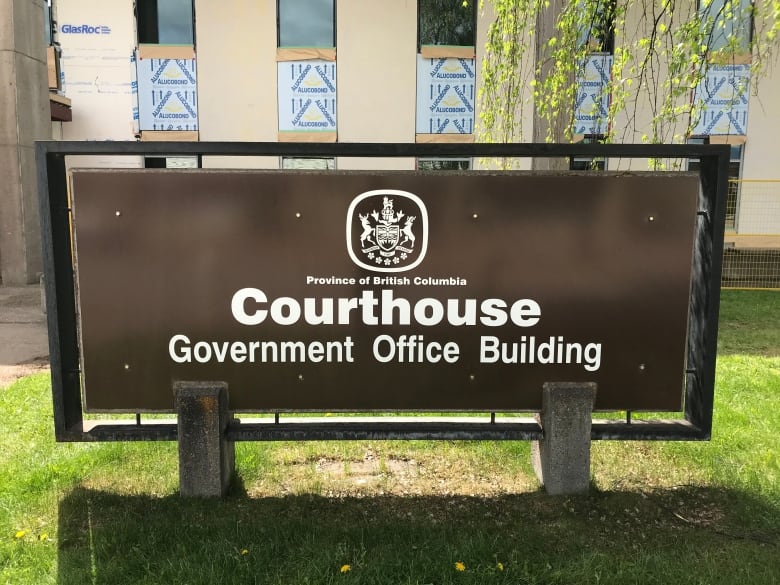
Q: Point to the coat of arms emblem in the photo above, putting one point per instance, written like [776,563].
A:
[385,235]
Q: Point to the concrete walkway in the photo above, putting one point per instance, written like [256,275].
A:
[24,345]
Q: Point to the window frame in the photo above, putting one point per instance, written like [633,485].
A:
[198,160]
[279,44]
[444,159]
[589,163]
[332,159]
[137,9]
[733,192]
[731,27]
[49,23]
[605,17]
[475,20]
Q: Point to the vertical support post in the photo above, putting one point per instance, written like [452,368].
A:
[26,117]
[206,457]
[60,293]
[561,459]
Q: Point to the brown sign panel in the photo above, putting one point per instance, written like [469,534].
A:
[396,291]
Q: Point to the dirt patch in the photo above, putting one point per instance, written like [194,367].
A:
[381,473]
[10,374]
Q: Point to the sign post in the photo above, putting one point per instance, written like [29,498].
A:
[351,291]
[561,459]
[206,456]
[310,292]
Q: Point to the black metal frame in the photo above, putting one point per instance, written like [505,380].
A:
[69,423]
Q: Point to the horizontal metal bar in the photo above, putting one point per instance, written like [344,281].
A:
[669,430]
[382,149]
[424,430]
[91,431]
[353,429]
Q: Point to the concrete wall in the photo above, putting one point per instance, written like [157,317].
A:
[763,128]
[376,48]
[97,69]
[377,76]
[525,109]
[642,103]
[24,118]
[97,75]
[236,59]
[237,95]
[759,205]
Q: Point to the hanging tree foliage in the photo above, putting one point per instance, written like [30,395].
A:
[661,50]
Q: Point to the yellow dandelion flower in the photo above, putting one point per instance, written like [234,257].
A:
[42,537]
[460,566]
[20,534]
[244,552]
[500,566]
[346,568]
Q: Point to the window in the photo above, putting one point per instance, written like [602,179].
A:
[446,22]
[306,23]
[598,29]
[48,23]
[165,22]
[446,67]
[591,104]
[53,55]
[308,163]
[729,23]
[171,162]
[588,163]
[306,68]
[443,164]
[735,172]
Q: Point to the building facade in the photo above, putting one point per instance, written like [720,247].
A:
[315,70]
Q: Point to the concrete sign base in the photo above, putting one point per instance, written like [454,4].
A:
[561,459]
[206,457]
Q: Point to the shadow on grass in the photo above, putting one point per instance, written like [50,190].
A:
[684,535]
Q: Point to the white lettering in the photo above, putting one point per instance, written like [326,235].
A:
[250,306]
[494,315]
[426,306]
[181,355]
[182,351]
[469,316]
[488,349]
[553,351]
[310,311]
[525,313]
[238,306]
[345,306]
[238,352]
[389,303]
[414,349]
[201,352]
[285,311]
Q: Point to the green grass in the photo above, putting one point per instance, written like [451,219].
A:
[749,324]
[406,512]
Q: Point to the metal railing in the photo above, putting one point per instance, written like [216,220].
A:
[751,257]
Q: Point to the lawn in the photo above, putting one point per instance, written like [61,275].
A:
[410,512]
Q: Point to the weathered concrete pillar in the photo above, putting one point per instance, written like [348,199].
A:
[24,118]
[561,459]
[206,457]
